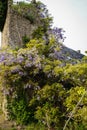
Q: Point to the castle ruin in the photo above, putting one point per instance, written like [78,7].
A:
[16,26]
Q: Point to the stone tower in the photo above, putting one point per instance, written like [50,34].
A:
[15,28]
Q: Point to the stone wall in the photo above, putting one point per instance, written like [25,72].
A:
[15,28]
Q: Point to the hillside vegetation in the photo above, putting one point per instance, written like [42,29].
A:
[45,88]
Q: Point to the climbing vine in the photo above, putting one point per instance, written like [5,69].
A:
[39,85]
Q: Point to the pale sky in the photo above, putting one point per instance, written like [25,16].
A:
[71,15]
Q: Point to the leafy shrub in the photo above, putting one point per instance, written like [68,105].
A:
[25,40]
[30,17]
[35,127]
[38,89]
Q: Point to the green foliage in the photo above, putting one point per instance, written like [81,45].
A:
[49,112]
[74,96]
[42,91]
[25,40]
[36,126]
[38,33]
[30,17]
[26,10]
[75,126]
[19,111]
[39,89]
[33,12]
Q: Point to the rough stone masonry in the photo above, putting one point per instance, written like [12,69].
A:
[15,28]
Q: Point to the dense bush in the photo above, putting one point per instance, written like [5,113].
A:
[39,89]
[42,91]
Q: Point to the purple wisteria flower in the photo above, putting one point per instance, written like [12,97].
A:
[42,15]
[20,59]
[58,34]
[16,69]
[39,66]
[11,60]
[21,73]
[30,57]
[58,55]
[2,58]
[28,64]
